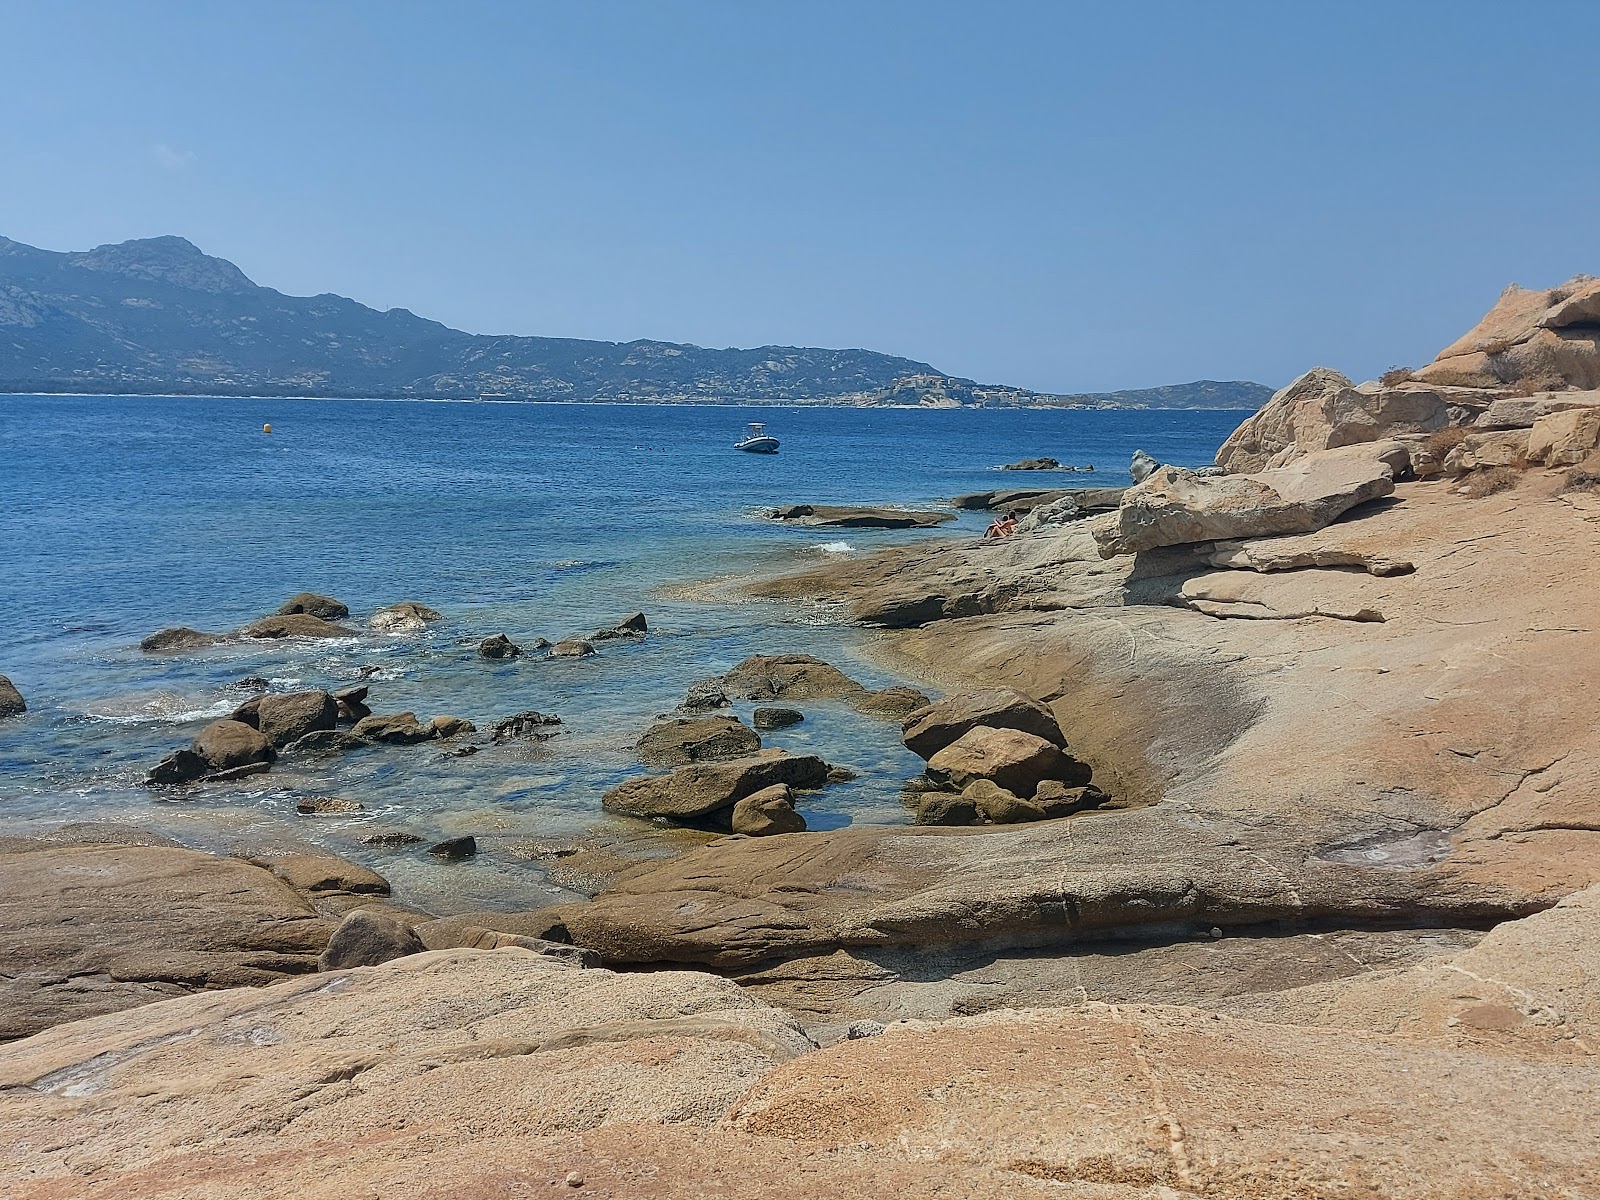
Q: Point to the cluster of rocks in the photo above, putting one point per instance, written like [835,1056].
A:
[995,756]
[305,615]
[631,627]
[1044,464]
[858,517]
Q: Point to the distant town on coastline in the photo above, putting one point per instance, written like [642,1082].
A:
[159,316]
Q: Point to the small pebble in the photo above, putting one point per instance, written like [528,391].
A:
[574,1179]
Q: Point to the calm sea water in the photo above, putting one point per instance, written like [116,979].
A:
[123,515]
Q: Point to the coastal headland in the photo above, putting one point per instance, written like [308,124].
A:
[1324,923]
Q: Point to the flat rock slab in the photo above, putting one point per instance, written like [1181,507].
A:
[847,517]
[96,929]
[702,789]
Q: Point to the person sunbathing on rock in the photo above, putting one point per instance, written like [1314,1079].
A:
[1002,527]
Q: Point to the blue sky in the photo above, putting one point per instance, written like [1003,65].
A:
[1063,196]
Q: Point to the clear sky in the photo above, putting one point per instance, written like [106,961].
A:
[1063,196]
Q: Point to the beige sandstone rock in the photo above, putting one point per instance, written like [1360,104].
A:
[1546,339]
[701,789]
[1014,760]
[1564,439]
[678,741]
[1174,507]
[931,728]
[771,810]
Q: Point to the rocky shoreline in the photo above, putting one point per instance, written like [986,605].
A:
[1327,925]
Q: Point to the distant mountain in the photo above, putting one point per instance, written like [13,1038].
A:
[157,316]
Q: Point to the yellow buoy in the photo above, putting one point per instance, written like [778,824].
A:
[266,429]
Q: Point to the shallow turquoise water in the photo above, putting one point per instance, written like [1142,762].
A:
[119,516]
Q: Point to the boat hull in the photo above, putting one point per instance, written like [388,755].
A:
[758,445]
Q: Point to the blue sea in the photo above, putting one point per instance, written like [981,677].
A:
[123,515]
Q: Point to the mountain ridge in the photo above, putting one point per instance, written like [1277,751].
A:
[158,315]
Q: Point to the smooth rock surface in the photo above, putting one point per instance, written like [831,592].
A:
[678,741]
[365,939]
[1014,760]
[282,719]
[314,605]
[771,810]
[408,616]
[298,625]
[702,789]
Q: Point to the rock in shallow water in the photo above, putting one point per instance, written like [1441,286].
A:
[456,849]
[498,646]
[180,637]
[314,605]
[526,724]
[776,718]
[294,625]
[702,789]
[228,744]
[11,702]
[283,719]
[771,810]
[406,617]
[678,741]
[571,648]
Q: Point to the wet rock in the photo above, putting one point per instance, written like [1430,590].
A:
[286,718]
[935,726]
[776,718]
[571,648]
[243,771]
[352,702]
[456,849]
[179,638]
[314,605]
[389,839]
[679,741]
[702,789]
[11,702]
[449,727]
[398,729]
[498,646]
[946,808]
[1014,760]
[771,810]
[998,806]
[252,683]
[325,741]
[704,695]
[841,775]
[406,617]
[227,744]
[1141,466]
[893,703]
[632,626]
[1033,464]
[790,676]
[851,517]
[526,724]
[295,625]
[181,766]
[365,939]
[248,713]
[327,806]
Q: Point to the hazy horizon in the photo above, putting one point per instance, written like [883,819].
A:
[1061,198]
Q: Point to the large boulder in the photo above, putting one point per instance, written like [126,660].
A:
[1565,439]
[283,719]
[406,617]
[1175,507]
[314,605]
[398,729]
[573,647]
[930,729]
[1322,410]
[295,625]
[11,701]
[790,677]
[1013,760]
[702,789]
[771,810]
[225,745]
[498,646]
[1546,339]
[365,939]
[678,741]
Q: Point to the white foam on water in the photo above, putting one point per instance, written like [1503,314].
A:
[836,548]
[168,707]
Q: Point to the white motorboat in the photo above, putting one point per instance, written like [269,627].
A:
[757,441]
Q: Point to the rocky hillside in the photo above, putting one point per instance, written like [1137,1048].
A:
[158,316]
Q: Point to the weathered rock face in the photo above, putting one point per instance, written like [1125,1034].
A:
[90,929]
[631,626]
[498,646]
[1502,448]
[446,726]
[1014,760]
[179,638]
[892,703]
[1175,507]
[1520,412]
[11,702]
[365,939]
[1542,339]
[406,617]
[845,517]
[1142,465]
[314,605]
[297,625]
[526,724]
[678,741]
[702,789]
[946,808]
[282,719]
[225,745]
[1322,410]
[352,703]
[930,729]
[704,696]
[999,806]
[771,810]
[1033,464]
[1565,439]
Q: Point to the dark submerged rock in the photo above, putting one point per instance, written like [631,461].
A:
[456,849]
[314,605]
[498,646]
[180,637]
[11,701]
[679,741]
[526,724]
[777,718]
